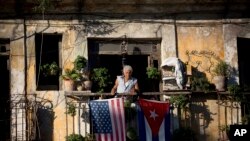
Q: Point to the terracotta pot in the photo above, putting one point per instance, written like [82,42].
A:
[68,85]
[220,83]
[79,88]
[87,84]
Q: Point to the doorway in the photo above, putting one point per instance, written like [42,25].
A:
[4,99]
[140,54]
[243,45]
[113,63]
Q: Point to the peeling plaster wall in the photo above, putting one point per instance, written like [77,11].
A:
[201,46]
[218,39]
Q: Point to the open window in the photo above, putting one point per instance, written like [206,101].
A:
[47,61]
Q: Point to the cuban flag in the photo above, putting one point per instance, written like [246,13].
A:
[108,119]
[153,120]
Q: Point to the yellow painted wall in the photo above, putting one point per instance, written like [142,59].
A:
[200,46]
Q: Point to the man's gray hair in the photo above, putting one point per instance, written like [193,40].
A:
[127,67]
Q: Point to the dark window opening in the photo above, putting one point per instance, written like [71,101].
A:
[47,52]
[4,90]
[243,46]
[243,61]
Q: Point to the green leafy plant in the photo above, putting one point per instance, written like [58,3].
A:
[80,63]
[200,84]
[180,101]
[236,92]
[71,109]
[221,69]
[153,73]
[225,128]
[50,69]
[101,78]
[71,75]
[75,137]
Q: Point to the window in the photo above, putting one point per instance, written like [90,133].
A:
[47,54]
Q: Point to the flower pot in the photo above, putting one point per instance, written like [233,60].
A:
[87,84]
[79,87]
[68,85]
[220,83]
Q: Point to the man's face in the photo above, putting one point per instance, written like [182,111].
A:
[127,73]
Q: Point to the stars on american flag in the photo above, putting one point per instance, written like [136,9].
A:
[101,117]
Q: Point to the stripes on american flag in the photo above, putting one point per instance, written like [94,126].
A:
[108,119]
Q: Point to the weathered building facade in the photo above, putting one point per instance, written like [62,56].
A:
[198,32]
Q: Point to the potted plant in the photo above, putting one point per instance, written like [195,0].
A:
[75,137]
[80,64]
[50,69]
[154,75]
[70,77]
[100,78]
[221,71]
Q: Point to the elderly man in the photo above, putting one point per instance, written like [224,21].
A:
[126,83]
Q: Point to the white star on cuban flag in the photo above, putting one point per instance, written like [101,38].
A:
[153,114]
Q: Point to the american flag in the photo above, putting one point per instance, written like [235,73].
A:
[108,119]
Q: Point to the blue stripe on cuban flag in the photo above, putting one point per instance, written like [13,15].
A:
[149,113]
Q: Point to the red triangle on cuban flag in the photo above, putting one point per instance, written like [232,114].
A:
[154,112]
